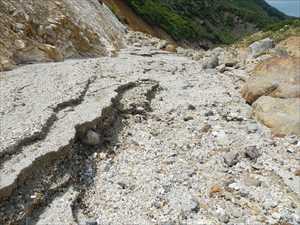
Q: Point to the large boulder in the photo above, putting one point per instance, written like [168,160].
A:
[261,46]
[276,77]
[291,45]
[281,115]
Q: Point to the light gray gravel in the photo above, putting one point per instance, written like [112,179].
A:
[186,150]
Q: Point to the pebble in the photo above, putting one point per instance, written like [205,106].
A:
[191,107]
[91,223]
[252,152]
[209,113]
[231,158]
[92,138]
[140,110]
[188,118]
[252,128]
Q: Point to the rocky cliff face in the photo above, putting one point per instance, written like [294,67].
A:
[40,31]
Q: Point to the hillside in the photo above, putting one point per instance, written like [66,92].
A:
[216,21]
[42,31]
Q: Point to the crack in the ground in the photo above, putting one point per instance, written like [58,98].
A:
[66,167]
[42,134]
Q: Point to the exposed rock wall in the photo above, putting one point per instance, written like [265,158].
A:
[41,31]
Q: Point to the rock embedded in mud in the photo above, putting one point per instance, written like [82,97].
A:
[92,138]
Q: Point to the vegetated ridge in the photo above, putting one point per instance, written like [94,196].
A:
[215,21]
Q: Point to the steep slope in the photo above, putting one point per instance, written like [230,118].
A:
[33,30]
[134,21]
[216,21]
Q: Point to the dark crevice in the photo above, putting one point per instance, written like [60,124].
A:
[51,175]
[41,135]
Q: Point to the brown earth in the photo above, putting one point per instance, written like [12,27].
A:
[292,45]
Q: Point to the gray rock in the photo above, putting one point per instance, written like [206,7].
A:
[261,46]
[91,223]
[252,152]
[92,138]
[209,113]
[188,118]
[191,107]
[252,128]
[231,158]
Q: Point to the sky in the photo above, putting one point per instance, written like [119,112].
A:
[289,7]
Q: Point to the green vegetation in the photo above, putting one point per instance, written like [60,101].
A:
[219,21]
[277,31]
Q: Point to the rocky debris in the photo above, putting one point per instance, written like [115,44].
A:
[178,144]
[261,46]
[71,29]
[276,77]
[281,115]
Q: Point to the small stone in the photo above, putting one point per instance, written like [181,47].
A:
[297,173]
[206,128]
[214,190]
[168,223]
[102,155]
[236,212]
[222,139]
[91,223]
[252,128]
[137,44]
[222,215]
[188,118]
[221,68]
[140,110]
[231,158]
[270,203]
[252,182]
[195,206]
[191,107]
[92,138]
[19,27]
[20,44]
[252,152]
[209,113]
[293,141]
